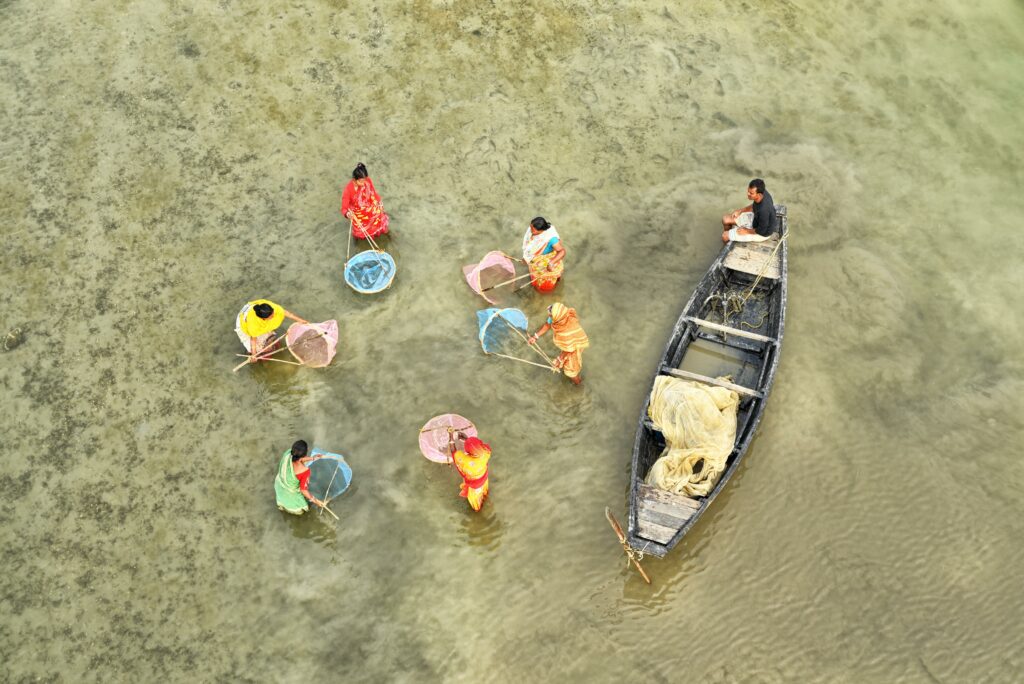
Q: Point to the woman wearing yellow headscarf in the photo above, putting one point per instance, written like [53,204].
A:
[569,338]
[257,322]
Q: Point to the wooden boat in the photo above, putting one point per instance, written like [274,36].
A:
[703,346]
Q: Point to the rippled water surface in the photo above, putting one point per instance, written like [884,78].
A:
[161,163]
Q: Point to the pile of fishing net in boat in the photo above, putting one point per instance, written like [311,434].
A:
[699,424]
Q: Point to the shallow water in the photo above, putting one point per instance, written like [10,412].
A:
[163,163]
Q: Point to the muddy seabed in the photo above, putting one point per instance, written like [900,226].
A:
[161,163]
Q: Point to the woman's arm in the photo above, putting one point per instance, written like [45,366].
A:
[559,253]
[540,333]
[292,316]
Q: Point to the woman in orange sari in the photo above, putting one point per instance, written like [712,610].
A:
[570,339]
[361,205]
[471,462]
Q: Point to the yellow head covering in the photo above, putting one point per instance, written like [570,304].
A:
[254,326]
[559,311]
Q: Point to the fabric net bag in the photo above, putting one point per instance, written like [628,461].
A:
[370,272]
[313,344]
[329,475]
[434,435]
[495,269]
[699,424]
[497,330]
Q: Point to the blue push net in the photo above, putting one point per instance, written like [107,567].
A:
[496,330]
[329,475]
[370,271]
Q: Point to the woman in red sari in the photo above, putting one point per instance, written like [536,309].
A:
[361,205]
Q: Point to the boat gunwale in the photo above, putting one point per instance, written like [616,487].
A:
[772,348]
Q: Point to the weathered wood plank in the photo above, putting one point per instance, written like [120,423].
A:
[656,533]
[651,493]
[752,257]
[655,518]
[731,331]
[687,375]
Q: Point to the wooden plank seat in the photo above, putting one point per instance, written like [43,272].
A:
[661,514]
[729,331]
[755,257]
[687,375]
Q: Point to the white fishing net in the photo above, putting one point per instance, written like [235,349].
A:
[699,424]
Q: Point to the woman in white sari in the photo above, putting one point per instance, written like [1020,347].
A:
[544,254]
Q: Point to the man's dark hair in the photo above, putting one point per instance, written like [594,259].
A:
[360,171]
[299,449]
[263,310]
[758,185]
[540,223]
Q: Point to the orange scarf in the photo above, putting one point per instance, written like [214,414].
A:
[569,335]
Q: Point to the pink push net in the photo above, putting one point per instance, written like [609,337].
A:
[493,269]
[434,435]
[313,344]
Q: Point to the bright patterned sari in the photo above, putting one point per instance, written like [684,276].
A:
[472,466]
[361,204]
[537,252]
[288,488]
[570,338]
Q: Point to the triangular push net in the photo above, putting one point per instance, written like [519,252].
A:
[370,272]
[434,435]
[329,475]
[313,344]
[498,327]
[491,277]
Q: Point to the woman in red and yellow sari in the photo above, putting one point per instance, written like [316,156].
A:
[361,205]
[471,462]
[570,339]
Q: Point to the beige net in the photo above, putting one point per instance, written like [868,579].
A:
[699,424]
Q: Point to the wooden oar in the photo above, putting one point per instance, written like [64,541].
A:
[630,553]
[488,289]
[249,359]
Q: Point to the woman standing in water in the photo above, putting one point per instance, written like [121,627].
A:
[544,254]
[292,482]
[361,205]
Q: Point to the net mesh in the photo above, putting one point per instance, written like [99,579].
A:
[370,271]
[496,333]
[329,475]
[699,424]
[434,435]
[313,344]
[495,268]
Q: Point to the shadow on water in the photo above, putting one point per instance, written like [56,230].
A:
[483,528]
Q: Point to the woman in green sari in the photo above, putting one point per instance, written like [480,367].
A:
[292,482]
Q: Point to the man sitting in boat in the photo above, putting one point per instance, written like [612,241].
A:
[544,254]
[754,223]
[257,322]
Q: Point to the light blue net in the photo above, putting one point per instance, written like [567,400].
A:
[370,271]
[496,334]
[329,475]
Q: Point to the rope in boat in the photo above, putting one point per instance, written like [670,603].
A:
[737,302]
